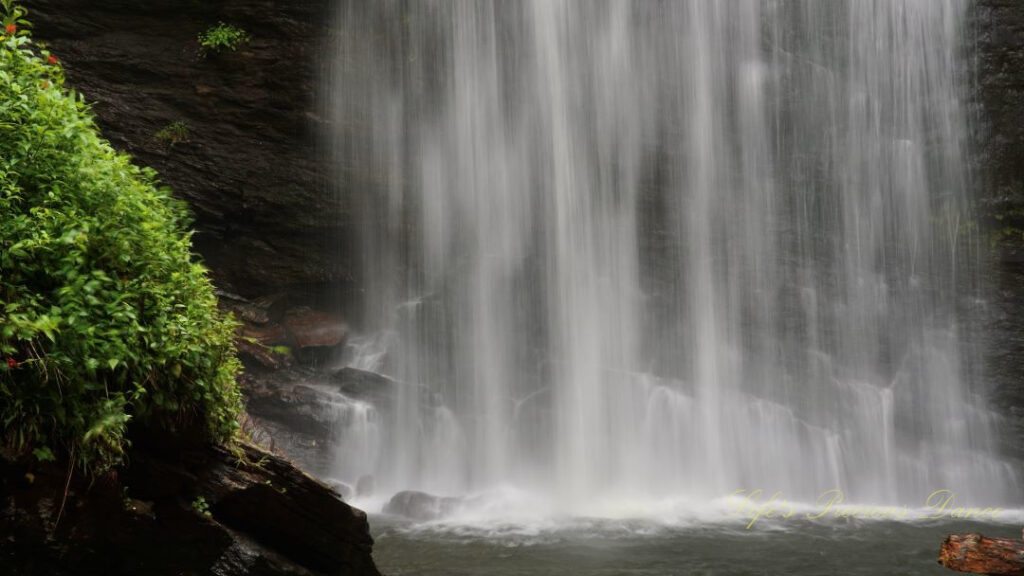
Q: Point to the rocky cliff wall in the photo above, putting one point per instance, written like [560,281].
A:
[997,33]
[267,215]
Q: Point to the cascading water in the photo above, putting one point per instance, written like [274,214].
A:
[653,248]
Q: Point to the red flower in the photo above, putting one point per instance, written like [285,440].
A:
[11,29]
[12,363]
[52,59]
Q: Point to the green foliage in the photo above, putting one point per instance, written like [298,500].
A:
[44,454]
[104,316]
[174,133]
[12,14]
[201,507]
[222,37]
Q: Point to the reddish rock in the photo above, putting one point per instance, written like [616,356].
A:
[310,328]
[977,554]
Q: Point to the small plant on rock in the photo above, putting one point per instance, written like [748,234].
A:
[173,133]
[222,37]
[201,506]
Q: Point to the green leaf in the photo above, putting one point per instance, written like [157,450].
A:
[44,454]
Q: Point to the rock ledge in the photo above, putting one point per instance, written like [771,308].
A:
[171,512]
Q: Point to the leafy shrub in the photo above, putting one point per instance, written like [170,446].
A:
[173,133]
[222,37]
[104,316]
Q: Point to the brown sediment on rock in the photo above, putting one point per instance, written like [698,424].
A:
[977,554]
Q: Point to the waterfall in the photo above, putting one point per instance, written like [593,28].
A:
[657,248]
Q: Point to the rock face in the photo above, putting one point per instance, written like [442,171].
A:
[266,211]
[181,512]
[296,417]
[303,411]
[997,27]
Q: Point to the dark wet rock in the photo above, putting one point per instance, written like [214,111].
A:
[303,410]
[341,488]
[252,349]
[265,517]
[296,417]
[365,385]
[245,310]
[377,389]
[301,407]
[420,505]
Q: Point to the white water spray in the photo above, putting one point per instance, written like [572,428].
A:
[662,248]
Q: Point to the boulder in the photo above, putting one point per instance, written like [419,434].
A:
[420,505]
[977,554]
[172,512]
[308,328]
[364,385]
[379,390]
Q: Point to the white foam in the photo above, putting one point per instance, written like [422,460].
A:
[509,512]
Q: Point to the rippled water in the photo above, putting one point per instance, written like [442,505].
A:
[507,532]
[642,547]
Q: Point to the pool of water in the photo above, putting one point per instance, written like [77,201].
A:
[601,547]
